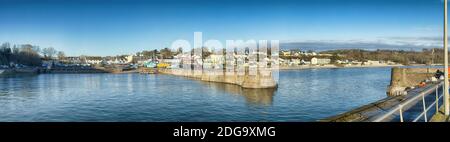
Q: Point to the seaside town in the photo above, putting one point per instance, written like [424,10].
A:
[30,58]
[268,61]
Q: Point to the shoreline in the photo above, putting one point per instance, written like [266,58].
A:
[98,70]
[338,67]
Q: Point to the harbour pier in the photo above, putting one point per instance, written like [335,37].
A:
[261,79]
[405,101]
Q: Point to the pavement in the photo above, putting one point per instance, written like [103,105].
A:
[440,117]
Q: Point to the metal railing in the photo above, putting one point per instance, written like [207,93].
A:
[410,102]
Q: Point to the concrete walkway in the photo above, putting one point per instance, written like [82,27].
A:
[440,117]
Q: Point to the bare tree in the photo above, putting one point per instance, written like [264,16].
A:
[61,55]
[49,52]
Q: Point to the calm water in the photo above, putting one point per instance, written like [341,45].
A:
[302,95]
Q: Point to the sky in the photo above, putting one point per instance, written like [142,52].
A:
[113,27]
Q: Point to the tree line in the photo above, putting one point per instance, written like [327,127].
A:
[31,55]
[426,56]
[26,54]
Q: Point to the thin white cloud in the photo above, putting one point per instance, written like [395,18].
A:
[400,43]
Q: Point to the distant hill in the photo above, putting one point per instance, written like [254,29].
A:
[323,46]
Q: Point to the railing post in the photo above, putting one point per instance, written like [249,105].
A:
[401,113]
[437,99]
[415,99]
[424,108]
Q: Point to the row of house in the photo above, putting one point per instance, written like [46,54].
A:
[313,61]
[368,62]
[217,61]
[93,60]
[325,61]
[288,53]
[212,61]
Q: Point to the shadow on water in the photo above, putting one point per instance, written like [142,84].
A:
[18,75]
[257,97]
[20,83]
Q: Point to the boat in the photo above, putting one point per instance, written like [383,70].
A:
[150,64]
[163,65]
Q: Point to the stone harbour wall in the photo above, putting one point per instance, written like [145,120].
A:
[262,79]
[401,78]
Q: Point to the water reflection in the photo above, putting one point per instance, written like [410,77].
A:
[259,97]
[6,76]
[302,95]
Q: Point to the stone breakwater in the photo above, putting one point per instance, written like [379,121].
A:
[401,78]
[370,112]
[258,79]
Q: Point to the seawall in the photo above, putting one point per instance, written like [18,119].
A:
[74,70]
[401,78]
[260,79]
[369,112]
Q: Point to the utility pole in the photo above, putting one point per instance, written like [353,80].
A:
[446,95]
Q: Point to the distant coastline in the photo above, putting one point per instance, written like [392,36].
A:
[40,70]
[354,66]
[338,67]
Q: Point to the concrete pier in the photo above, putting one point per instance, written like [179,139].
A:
[369,112]
[262,79]
[440,116]
[401,78]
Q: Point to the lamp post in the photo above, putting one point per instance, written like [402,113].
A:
[446,83]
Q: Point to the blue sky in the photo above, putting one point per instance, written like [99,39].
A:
[110,27]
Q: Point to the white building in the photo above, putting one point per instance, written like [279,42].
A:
[92,60]
[369,62]
[295,62]
[320,61]
[286,53]
[356,63]
[116,60]
[130,58]
[303,62]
